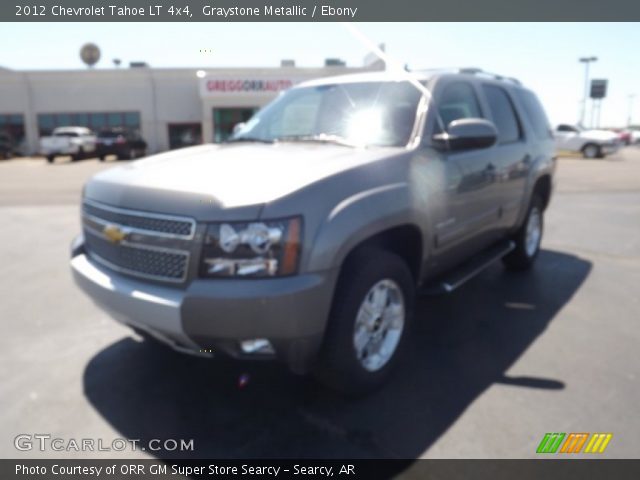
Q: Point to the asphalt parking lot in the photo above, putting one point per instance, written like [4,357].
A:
[490,369]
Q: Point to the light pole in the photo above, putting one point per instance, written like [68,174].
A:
[586,61]
[629,118]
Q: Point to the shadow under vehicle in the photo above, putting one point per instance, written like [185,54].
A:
[462,345]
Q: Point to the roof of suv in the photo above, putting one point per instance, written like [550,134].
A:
[420,76]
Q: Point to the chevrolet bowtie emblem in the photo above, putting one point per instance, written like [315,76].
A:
[114,233]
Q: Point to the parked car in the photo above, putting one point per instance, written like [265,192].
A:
[77,142]
[121,142]
[7,145]
[306,236]
[590,143]
[624,136]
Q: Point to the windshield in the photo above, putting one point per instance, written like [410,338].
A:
[365,113]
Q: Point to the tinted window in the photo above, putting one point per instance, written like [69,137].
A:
[566,128]
[109,134]
[535,114]
[458,100]
[503,115]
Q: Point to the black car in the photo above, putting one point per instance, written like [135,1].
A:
[123,143]
[7,145]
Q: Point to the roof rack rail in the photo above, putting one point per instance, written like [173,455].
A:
[479,71]
[468,71]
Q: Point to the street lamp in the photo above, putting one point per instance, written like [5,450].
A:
[586,61]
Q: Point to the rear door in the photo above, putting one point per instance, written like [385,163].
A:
[511,158]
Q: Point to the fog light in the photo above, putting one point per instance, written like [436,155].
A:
[257,345]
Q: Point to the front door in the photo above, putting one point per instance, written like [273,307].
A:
[467,219]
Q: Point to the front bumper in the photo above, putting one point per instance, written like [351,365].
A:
[610,148]
[212,314]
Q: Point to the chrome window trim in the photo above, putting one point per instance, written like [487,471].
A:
[141,214]
[141,246]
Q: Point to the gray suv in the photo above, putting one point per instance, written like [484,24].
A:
[307,236]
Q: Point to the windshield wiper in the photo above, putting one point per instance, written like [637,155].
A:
[249,139]
[320,138]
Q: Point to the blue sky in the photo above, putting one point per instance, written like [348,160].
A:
[544,56]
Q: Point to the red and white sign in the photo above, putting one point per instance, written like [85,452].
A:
[212,86]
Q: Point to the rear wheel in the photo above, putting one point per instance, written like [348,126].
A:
[527,238]
[370,318]
[50,158]
[591,150]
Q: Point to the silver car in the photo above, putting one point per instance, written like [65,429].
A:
[307,236]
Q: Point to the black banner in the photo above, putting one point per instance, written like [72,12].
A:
[547,469]
[316,10]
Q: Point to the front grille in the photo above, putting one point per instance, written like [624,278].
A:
[139,261]
[150,246]
[147,222]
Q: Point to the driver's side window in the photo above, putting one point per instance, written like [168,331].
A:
[458,100]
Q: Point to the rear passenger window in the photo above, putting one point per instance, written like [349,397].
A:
[458,101]
[503,114]
[536,116]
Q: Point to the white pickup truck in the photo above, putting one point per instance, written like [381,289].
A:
[74,141]
[590,143]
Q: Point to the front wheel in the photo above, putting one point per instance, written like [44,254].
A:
[77,156]
[369,321]
[527,238]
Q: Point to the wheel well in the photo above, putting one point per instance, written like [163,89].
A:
[404,241]
[543,188]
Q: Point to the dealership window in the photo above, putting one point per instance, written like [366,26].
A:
[13,125]
[224,119]
[184,135]
[94,120]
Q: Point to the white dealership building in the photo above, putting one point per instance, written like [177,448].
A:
[171,107]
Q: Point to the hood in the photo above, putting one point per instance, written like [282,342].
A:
[223,176]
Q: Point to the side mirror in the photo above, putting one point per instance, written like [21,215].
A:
[466,134]
[238,126]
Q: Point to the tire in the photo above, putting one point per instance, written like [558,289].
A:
[102,158]
[591,150]
[527,248]
[50,158]
[366,274]
[78,155]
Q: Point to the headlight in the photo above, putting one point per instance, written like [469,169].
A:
[252,249]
